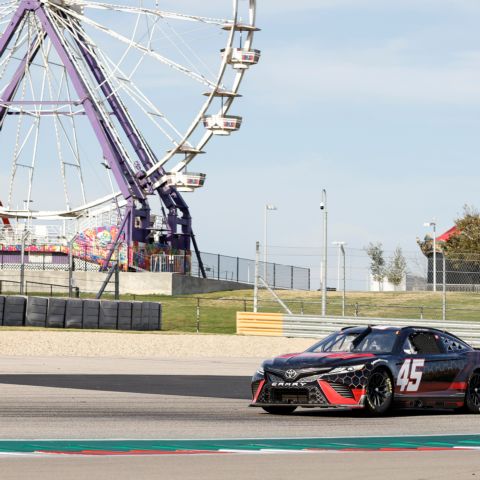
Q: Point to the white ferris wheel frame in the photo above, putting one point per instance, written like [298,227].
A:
[180,145]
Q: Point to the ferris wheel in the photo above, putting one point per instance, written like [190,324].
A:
[104,105]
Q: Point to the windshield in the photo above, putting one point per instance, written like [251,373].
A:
[364,342]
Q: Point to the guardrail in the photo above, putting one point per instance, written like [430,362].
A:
[318,327]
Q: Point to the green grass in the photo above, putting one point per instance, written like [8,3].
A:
[218,310]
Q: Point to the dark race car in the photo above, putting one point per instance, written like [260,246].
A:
[374,368]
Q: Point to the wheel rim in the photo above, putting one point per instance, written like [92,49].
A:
[474,390]
[379,389]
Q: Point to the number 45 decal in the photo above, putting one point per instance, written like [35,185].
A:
[410,375]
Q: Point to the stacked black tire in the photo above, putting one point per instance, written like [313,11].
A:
[16,311]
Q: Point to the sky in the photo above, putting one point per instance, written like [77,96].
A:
[377,102]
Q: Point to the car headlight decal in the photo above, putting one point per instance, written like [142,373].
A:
[346,369]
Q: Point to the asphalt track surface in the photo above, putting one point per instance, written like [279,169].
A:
[65,398]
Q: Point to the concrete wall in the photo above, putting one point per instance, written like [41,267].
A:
[141,283]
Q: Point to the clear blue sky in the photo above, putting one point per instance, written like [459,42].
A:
[376,101]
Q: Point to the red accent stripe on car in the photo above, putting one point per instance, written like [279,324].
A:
[458,386]
[259,389]
[333,397]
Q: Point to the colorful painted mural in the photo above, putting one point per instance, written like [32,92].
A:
[93,245]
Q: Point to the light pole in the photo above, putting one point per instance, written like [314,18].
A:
[268,208]
[341,251]
[434,226]
[323,207]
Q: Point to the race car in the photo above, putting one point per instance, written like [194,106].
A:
[373,368]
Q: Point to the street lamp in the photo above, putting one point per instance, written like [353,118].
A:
[268,208]
[434,226]
[323,207]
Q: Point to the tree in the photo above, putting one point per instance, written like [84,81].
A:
[466,239]
[377,262]
[397,268]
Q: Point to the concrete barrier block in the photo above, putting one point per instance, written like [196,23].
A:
[108,315]
[124,315]
[56,312]
[36,315]
[14,311]
[74,313]
[91,313]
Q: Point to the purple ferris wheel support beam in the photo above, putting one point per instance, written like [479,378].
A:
[169,195]
[121,171]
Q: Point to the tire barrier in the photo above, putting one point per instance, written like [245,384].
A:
[36,315]
[14,311]
[108,319]
[137,316]
[2,303]
[18,311]
[91,313]
[125,316]
[74,313]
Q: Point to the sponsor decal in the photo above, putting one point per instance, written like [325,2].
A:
[288,384]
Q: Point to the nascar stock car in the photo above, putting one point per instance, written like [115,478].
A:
[374,368]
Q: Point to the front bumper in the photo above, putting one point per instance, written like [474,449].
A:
[319,394]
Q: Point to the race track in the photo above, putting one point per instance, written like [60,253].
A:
[75,398]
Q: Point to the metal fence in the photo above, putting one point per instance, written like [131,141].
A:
[242,270]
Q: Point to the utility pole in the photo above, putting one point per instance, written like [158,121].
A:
[268,208]
[323,207]
[255,285]
[433,224]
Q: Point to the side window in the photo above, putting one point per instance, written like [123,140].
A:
[408,347]
[425,343]
[452,344]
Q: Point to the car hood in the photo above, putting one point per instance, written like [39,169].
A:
[314,360]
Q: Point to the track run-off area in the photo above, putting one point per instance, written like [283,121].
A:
[189,418]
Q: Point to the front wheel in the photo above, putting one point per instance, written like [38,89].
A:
[280,410]
[472,395]
[379,393]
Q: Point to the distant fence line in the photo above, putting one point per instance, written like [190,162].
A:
[219,267]
[242,270]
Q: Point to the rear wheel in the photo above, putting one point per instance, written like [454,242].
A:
[379,393]
[472,396]
[280,410]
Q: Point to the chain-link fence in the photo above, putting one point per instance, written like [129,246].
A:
[242,270]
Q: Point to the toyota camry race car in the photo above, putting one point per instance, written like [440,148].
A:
[374,368]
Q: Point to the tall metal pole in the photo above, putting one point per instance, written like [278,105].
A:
[444,292]
[342,247]
[70,268]
[255,285]
[265,256]
[265,239]
[434,256]
[22,263]
[323,206]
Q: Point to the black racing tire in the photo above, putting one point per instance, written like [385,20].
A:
[472,395]
[281,410]
[379,393]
